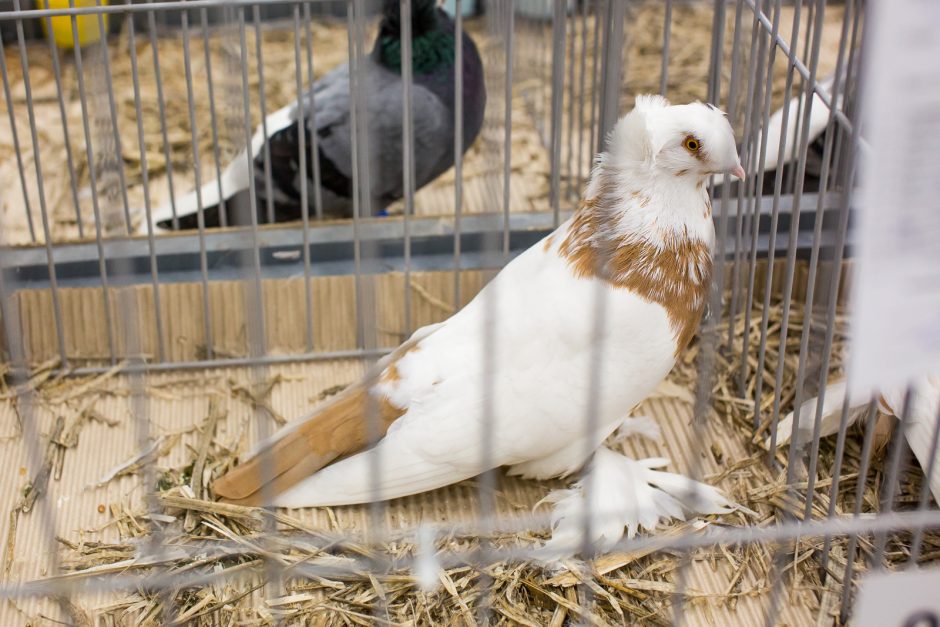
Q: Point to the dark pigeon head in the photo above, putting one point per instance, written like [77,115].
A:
[424,16]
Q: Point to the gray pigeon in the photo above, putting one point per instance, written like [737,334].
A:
[327,112]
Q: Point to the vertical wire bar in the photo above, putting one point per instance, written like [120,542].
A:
[860,481]
[67,139]
[257,303]
[611,69]
[788,286]
[213,122]
[891,477]
[794,232]
[811,284]
[739,217]
[772,245]
[485,480]
[850,79]
[593,131]
[145,175]
[197,183]
[302,166]
[810,23]
[354,145]
[925,490]
[16,144]
[254,293]
[558,76]
[158,80]
[357,185]
[362,182]
[569,157]
[507,120]
[541,47]
[833,296]
[112,110]
[312,114]
[268,189]
[667,36]
[408,154]
[708,335]
[367,172]
[834,488]
[458,144]
[758,150]
[581,87]
[718,38]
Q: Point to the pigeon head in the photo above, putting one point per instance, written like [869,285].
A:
[424,16]
[692,140]
[432,37]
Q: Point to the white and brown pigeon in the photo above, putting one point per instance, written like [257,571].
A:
[641,238]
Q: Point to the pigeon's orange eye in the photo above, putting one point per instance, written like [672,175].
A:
[692,144]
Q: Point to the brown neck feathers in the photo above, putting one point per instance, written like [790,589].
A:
[674,274]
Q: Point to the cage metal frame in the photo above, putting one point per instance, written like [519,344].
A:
[365,246]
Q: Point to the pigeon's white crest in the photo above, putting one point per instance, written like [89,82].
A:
[642,236]
[921,421]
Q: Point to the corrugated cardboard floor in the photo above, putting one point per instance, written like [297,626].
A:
[176,407]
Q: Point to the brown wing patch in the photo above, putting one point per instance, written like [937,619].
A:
[339,428]
[675,276]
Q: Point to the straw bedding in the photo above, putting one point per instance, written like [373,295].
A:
[368,576]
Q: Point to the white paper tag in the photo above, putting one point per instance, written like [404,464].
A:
[897,289]
[908,599]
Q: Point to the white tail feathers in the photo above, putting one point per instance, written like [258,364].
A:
[643,426]
[234,178]
[830,419]
[626,496]
[921,422]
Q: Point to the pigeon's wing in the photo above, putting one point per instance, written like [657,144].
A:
[384,100]
[433,138]
[831,415]
[921,425]
[336,428]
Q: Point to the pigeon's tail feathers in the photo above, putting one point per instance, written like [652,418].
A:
[387,471]
[338,428]
[235,178]
[830,418]
[625,495]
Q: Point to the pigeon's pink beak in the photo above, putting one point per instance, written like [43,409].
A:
[738,172]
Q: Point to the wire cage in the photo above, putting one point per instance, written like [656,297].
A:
[141,360]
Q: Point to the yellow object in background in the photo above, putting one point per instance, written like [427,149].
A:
[87,25]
